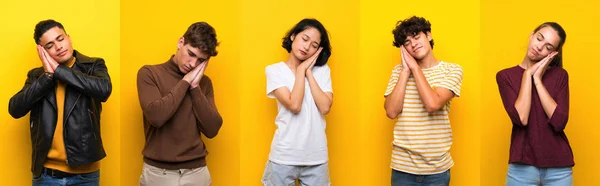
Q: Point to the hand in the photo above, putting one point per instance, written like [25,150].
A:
[191,75]
[47,61]
[543,64]
[307,64]
[407,60]
[202,67]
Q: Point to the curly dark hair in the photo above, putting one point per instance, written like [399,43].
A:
[303,25]
[410,27]
[202,36]
[43,26]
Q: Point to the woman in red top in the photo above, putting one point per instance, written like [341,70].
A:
[535,94]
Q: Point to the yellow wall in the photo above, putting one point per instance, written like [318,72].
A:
[94,30]
[150,30]
[504,42]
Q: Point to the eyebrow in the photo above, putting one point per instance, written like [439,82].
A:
[52,42]
[189,51]
[547,43]
[309,38]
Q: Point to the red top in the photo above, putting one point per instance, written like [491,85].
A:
[542,142]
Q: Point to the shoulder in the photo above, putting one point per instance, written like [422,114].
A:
[451,66]
[81,58]
[36,72]
[273,68]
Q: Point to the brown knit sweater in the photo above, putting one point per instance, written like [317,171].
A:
[175,116]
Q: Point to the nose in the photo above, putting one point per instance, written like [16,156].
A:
[413,43]
[59,46]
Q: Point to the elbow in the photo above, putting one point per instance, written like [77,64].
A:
[325,110]
[15,111]
[105,92]
[523,122]
[216,127]
[295,108]
[432,108]
[390,113]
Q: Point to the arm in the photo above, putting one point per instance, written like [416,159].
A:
[557,111]
[204,108]
[323,100]
[158,109]
[394,101]
[97,85]
[433,99]
[509,98]
[292,100]
[36,87]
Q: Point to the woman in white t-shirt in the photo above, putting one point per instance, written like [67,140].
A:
[302,88]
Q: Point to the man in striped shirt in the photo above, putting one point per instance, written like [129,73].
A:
[418,96]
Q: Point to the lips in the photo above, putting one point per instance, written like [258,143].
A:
[302,52]
[415,50]
[61,54]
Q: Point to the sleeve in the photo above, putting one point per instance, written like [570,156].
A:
[209,121]
[324,79]
[559,118]
[35,88]
[453,80]
[393,79]
[158,109]
[97,85]
[274,80]
[509,97]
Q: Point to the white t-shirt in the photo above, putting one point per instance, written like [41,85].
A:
[300,138]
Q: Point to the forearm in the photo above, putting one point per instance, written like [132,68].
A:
[297,93]
[206,112]
[322,100]
[430,98]
[34,90]
[548,103]
[97,85]
[394,102]
[523,102]
[159,109]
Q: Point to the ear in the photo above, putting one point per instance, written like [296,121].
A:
[180,43]
[292,37]
[428,34]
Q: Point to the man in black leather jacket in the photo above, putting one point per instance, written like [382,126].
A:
[64,97]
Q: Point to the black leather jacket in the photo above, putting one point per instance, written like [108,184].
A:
[87,85]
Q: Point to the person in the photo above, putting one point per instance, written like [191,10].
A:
[178,105]
[535,95]
[418,98]
[302,88]
[64,98]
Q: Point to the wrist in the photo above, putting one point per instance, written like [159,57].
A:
[50,75]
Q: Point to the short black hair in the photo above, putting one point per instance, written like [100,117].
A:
[303,25]
[202,36]
[44,26]
[410,27]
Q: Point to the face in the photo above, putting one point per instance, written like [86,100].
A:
[418,45]
[188,57]
[58,44]
[542,43]
[305,43]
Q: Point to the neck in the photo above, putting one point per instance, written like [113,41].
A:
[526,63]
[428,61]
[292,61]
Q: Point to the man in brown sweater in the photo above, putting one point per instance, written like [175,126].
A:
[178,105]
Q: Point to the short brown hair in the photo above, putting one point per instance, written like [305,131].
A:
[202,36]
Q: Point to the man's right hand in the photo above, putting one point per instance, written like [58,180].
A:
[189,77]
[44,59]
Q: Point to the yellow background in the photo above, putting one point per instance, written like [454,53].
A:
[481,36]
[505,27]
[94,30]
